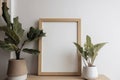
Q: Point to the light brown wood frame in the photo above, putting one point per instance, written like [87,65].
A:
[78,21]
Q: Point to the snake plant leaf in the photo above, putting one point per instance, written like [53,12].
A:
[97,47]
[5,14]
[17,28]
[34,34]
[11,35]
[6,46]
[31,51]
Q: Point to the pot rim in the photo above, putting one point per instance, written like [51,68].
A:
[16,59]
[90,66]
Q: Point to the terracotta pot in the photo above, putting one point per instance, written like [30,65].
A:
[90,73]
[17,69]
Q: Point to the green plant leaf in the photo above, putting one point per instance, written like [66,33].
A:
[11,35]
[89,47]
[79,47]
[88,41]
[6,46]
[97,47]
[83,53]
[17,28]
[91,52]
[31,51]
[9,40]
[5,14]
[34,34]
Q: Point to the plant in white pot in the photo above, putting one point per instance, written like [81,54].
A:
[89,53]
[14,41]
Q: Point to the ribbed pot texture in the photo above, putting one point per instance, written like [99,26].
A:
[16,68]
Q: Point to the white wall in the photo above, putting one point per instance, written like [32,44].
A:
[100,20]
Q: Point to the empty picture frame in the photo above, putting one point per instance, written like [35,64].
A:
[59,55]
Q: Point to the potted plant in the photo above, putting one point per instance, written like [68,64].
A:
[14,41]
[89,53]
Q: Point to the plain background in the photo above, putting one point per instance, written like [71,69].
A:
[100,19]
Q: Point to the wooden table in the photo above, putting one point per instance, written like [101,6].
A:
[33,77]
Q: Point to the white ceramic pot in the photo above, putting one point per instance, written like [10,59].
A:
[90,73]
[22,77]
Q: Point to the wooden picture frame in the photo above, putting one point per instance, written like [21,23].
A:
[41,41]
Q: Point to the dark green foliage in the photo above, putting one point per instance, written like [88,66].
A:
[5,14]
[34,34]
[6,46]
[31,51]
[17,28]
[14,34]
[11,35]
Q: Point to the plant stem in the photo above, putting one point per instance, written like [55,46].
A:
[17,56]
[85,62]
[17,53]
[23,44]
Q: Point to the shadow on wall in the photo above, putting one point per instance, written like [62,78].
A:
[31,60]
[4,55]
